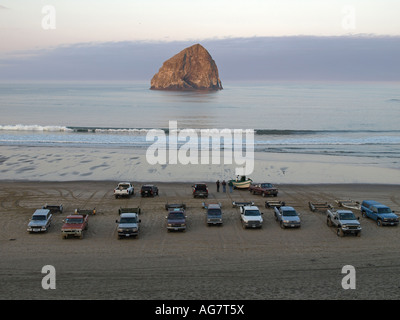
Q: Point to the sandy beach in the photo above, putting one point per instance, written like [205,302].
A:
[225,262]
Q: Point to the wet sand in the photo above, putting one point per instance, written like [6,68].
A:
[225,262]
[111,164]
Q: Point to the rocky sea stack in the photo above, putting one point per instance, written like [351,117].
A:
[191,69]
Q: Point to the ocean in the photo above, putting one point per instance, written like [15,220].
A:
[344,119]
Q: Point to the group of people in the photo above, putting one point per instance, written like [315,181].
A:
[223,183]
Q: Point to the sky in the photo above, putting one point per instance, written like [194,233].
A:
[37,30]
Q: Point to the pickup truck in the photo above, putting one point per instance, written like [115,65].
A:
[345,221]
[176,220]
[123,189]
[128,225]
[40,221]
[287,217]
[250,217]
[382,214]
[214,214]
[200,190]
[74,225]
[265,189]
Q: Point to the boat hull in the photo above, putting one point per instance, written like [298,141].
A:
[241,184]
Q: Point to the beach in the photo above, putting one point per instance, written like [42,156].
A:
[210,263]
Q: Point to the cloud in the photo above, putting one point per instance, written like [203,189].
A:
[362,57]
[3,7]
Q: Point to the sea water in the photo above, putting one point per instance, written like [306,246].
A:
[344,119]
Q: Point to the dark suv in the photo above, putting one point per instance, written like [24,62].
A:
[200,190]
[176,220]
[149,190]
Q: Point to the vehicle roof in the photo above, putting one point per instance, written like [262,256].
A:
[213,206]
[371,202]
[344,211]
[287,208]
[250,207]
[40,212]
[379,205]
[128,215]
[124,183]
[176,211]
[75,216]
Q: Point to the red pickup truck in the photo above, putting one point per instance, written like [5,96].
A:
[74,225]
[265,189]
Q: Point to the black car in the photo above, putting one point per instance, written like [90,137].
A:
[149,190]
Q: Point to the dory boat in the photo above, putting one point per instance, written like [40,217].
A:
[241,182]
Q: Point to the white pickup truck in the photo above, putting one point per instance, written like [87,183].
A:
[250,217]
[123,189]
[345,221]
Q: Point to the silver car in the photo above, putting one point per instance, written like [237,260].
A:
[40,221]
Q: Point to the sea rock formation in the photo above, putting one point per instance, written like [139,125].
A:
[191,69]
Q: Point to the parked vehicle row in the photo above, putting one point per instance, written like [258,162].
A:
[128,224]
[126,189]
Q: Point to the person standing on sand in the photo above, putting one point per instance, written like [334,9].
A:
[223,186]
[230,184]
[217,185]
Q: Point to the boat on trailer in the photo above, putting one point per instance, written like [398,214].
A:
[241,182]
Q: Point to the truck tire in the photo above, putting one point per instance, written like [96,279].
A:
[329,222]
[340,232]
[379,222]
[282,225]
[364,214]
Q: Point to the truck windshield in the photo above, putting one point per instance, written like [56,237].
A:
[266,185]
[128,220]
[74,220]
[176,215]
[252,213]
[123,186]
[214,212]
[39,218]
[289,213]
[347,216]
